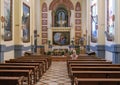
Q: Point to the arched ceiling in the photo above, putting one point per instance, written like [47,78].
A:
[55,3]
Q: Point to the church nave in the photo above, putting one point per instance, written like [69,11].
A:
[56,75]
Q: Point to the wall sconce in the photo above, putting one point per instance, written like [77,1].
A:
[2,18]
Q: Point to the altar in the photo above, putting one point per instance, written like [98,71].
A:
[60,50]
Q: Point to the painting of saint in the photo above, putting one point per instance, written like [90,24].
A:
[110,20]
[8,20]
[61,19]
[94,21]
[26,23]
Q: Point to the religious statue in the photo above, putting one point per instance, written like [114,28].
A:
[61,21]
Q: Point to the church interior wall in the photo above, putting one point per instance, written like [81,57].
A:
[72,20]
[16,47]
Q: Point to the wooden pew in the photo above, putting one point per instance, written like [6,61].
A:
[37,65]
[94,74]
[90,62]
[88,57]
[24,61]
[97,81]
[11,80]
[86,60]
[33,68]
[32,59]
[98,65]
[49,59]
[92,68]
[18,73]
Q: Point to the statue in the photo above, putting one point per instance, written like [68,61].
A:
[61,22]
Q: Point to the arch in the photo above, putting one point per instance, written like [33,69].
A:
[67,3]
[44,7]
[78,6]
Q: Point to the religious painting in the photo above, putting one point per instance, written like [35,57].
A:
[44,41]
[94,21]
[78,21]
[44,35]
[44,28]
[44,15]
[78,15]
[61,38]
[44,22]
[7,20]
[26,23]
[110,20]
[78,28]
[61,17]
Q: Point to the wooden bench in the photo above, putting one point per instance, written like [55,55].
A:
[87,60]
[37,65]
[92,68]
[91,53]
[88,57]
[94,74]
[90,62]
[77,68]
[24,61]
[48,58]
[97,81]
[11,80]
[18,73]
[33,68]
[32,59]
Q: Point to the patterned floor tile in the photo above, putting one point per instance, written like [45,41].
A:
[56,75]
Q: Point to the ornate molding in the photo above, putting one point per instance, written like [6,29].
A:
[61,29]
[56,3]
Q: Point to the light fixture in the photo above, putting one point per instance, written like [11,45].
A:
[2,18]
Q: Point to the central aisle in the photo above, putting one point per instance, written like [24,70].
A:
[56,75]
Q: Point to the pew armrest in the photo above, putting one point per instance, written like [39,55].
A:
[91,53]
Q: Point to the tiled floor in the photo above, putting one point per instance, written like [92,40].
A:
[56,75]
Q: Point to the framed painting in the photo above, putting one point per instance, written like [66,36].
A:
[44,28]
[110,20]
[77,34]
[44,35]
[26,23]
[78,15]
[44,22]
[78,28]
[8,20]
[94,21]
[44,15]
[78,21]
[61,38]
[44,41]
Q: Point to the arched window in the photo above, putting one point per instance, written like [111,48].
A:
[61,17]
